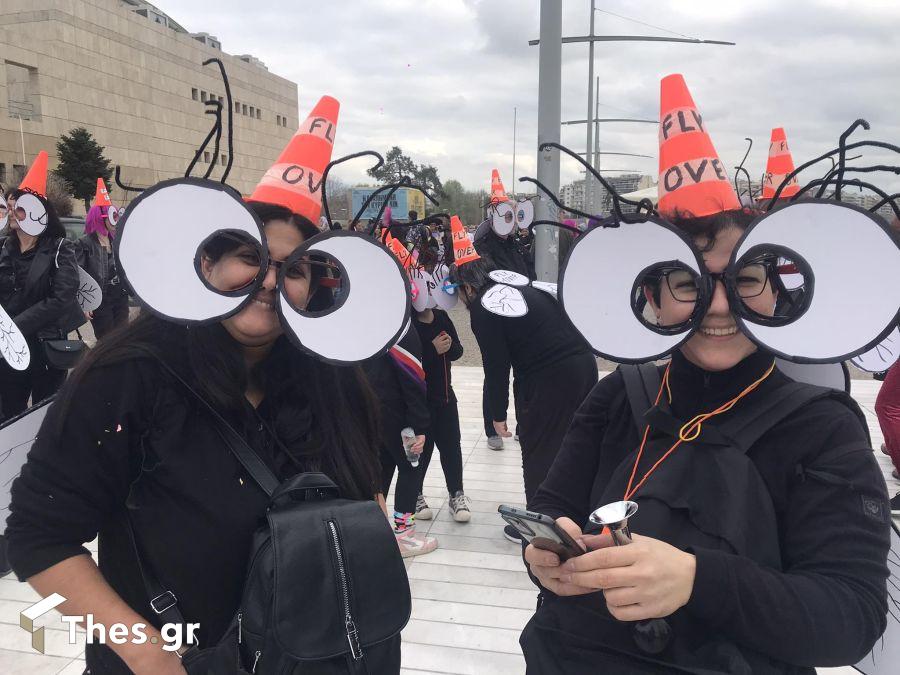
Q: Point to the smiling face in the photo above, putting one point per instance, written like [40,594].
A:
[717,344]
[258,324]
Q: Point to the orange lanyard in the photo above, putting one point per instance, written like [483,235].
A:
[689,432]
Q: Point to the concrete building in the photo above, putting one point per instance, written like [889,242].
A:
[133,77]
[572,194]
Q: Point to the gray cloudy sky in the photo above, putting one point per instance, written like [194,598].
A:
[440,78]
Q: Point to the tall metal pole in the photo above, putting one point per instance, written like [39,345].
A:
[515,191]
[546,237]
[596,162]
[22,137]
[588,179]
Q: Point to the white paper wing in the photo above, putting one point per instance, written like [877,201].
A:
[885,655]
[882,356]
[504,301]
[831,375]
[508,277]
[546,286]
[13,346]
[89,294]
[16,437]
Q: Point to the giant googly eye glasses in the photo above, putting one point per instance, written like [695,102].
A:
[211,263]
[30,214]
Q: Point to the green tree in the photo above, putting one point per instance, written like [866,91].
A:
[466,204]
[427,177]
[397,165]
[81,163]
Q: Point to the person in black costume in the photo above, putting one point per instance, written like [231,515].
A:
[38,285]
[95,256]
[771,561]
[553,364]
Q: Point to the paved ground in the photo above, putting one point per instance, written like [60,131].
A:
[471,597]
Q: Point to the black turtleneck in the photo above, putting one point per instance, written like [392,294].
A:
[827,603]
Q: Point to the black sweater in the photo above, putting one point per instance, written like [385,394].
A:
[530,343]
[134,437]
[827,604]
[506,253]
[437,366]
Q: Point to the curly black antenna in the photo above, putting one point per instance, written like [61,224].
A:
[554,223]
[230,103]
[409,184]
[740,169]
[216,130]
[126,188]
[553,198]
[885,197]
[842,158]
[826,179]
[333,163]
[403,182]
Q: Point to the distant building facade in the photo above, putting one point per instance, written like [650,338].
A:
[132,76]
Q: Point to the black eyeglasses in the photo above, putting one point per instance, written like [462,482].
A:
[749,282]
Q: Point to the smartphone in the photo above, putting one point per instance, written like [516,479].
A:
[541,531]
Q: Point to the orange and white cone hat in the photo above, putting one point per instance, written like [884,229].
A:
[398,249]
[692,179]
[295,180]
[498,193]
[779,165]
[463,247]
[101,197]
[36,178]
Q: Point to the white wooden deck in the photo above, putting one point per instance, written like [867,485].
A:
[471,597]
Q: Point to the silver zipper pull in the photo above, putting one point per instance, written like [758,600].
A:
[240,618]
[255,661]
[353,639]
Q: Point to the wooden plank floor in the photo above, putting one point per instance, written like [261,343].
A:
[471,597]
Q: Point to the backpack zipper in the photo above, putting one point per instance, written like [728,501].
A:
[352,637]
[240,618]
[256,660]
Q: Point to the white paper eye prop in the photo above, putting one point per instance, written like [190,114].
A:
[503,218]
[341,284]
[882,356]
[4,212]
[444,292]
[89,295]
[849,298]
[31,214]
[114,214]
[524,214]
[13,347]
[606,279]
[160,238]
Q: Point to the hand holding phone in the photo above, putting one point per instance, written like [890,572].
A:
[541,532]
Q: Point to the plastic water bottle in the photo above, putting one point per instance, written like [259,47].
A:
[408,437]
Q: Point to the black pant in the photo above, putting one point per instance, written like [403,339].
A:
[444,432]
[489,430]
[547,401]
[393,456]
[112,312]
[37,382]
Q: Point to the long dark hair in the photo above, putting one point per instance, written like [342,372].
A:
[328,412]
[55,229]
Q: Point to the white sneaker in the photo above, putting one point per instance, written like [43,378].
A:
[459,507]
[423,511]
[411,545]
[495,443]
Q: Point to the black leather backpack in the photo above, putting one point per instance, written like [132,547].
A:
[326,589]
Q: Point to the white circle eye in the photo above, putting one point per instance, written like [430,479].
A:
[599,279]
[4,211]
[882,356]
[31,214]
[374,293]
[851,290]
[113,214]
[524,214]
[502,218]
[159,239]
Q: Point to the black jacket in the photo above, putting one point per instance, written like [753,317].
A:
[820,602]
[38,288]
[401,396]
[506,254]
[530,343]
[95,260]
[134,439]
[437,366]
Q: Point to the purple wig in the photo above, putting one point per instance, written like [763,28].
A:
[95,221]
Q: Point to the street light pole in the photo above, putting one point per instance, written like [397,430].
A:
[588,179]
[546,238]
[515,113]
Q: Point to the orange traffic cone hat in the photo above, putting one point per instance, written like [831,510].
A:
[101,197]
[398,249]
[463,248]
[692,179]
[36,178]
[779,165]
[498,193]
[295,180]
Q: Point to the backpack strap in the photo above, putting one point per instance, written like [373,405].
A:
[642,382]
